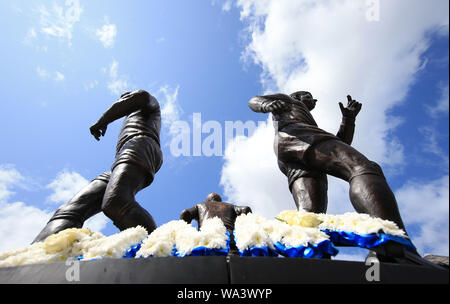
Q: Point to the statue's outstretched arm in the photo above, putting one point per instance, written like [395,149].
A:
[190,214]
[242,210]
[128,103]
[347,127]
[269,103]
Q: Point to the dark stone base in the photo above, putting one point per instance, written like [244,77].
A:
[316,271]
[221,270]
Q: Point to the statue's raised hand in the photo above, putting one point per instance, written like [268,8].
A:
[352,109]
[98,130]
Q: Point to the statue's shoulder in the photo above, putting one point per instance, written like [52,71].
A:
[143,93]
[201,205]
[277,96]
[215,205]
[150,100]
[281,95]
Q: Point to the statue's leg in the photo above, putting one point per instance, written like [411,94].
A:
[234,251]
[308,188]
[119,202]
[369,191]
[310,193]
[82,206]
[371,194]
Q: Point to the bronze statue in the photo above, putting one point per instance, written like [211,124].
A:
[215,207]
[138,158]
[306,154]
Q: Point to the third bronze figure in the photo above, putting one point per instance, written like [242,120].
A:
[214,207]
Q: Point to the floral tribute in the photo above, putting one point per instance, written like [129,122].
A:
[178,238]
[353,229]
[257,236]
[74,243]
[291,234]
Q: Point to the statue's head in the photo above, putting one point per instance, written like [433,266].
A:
[213,197]
[306,98]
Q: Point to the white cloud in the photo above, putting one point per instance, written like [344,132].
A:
[172,125]
[8,176]
[19,222]
[441,107]
[42,72]
[59,76]
[118,84]
[226,6]
[330,49]
[32,39]
[250,177]
[59,21]
[90,85]
[170,110]
[65,186]
[43,48]
[160,40]
[30,36]
[114,69]
[107,34]
[97,222]
[431,145]
[424,206]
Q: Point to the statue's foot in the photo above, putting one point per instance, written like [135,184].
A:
[55,226]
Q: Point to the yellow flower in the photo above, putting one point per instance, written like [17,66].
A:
[64,239]
[299,218]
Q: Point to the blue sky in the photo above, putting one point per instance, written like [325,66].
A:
[64,62]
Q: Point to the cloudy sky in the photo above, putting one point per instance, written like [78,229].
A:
[64,62]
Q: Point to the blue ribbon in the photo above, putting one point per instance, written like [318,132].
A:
[313,251]
[262,251]
[259,252]
[80,258]
[324,248]
[173,252]
[131,252]
[342,238]
[204,251]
